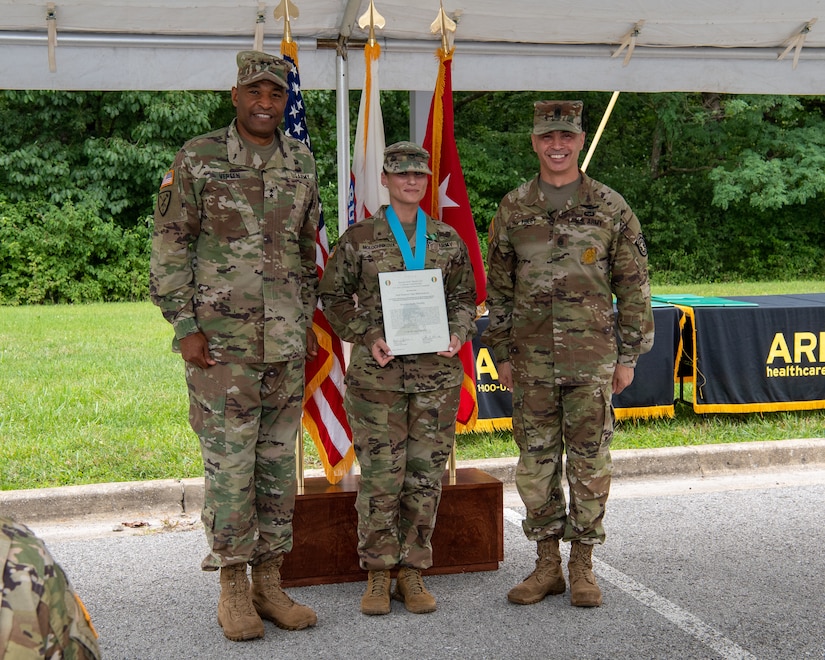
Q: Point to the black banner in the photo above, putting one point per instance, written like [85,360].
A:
[495,404]
[650,394]
[768,356]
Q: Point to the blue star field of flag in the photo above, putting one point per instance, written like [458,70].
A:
[295,118]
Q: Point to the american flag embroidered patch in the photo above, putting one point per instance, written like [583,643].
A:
[168,179]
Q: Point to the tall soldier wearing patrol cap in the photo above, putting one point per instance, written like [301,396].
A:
[233,270]
[402,408]
[560,246]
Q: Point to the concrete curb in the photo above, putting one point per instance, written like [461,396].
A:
[172,497]
[696,461]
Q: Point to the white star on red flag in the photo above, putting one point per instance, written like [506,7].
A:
[444,202]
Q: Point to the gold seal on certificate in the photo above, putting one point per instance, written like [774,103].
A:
[415,311]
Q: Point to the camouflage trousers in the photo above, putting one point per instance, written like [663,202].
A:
[40,614]
[546,421]
[402,442]
[247,417]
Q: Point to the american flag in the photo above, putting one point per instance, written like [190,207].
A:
[324,417]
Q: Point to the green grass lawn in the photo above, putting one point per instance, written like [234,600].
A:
[93,393]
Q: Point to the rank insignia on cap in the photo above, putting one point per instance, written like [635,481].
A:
[168,179]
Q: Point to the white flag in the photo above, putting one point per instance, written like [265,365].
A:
[368,150]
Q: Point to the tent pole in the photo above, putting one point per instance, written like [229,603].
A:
[342,112]
[342,120]
[600,130]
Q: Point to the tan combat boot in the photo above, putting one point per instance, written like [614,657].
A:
[546,578]
[376,598]
[410,589]
[584,592]
[272,603]
[236,614]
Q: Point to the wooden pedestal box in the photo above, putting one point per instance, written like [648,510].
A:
[468,537]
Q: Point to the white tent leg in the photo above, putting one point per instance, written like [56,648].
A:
[342,118]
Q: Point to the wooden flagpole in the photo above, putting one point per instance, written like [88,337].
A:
[600,130]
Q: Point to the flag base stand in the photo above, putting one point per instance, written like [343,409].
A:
[469,534]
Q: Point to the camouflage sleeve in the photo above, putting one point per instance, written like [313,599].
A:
[40,614]
[460,286]
[630,284]
[501,261]
[177,225]
[309,267]
[339,284]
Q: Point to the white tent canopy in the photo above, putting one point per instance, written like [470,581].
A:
[714,46]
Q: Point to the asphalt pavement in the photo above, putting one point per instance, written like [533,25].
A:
[712,552]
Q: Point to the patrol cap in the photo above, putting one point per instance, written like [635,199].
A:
[557,116]
[406,157]
[254,65]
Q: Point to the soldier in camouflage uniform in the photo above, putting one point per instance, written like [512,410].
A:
[560,246]
[402,408]
[233,270]
[41,616]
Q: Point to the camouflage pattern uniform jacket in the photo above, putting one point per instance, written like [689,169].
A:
[368,248]
[233,253]
[550,279]
[40,614]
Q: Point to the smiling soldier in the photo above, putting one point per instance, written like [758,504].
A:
[560,246]
[233,270]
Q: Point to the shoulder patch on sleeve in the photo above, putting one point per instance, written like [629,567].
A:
[641,245]
[168,179]
[164,197]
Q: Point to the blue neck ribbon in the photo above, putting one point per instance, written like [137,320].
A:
[411,261]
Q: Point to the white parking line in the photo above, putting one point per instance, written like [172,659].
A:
[684,620]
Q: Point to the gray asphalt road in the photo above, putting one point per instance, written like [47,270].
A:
[720,567]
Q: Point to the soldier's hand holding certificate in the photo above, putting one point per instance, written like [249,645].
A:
[415,311]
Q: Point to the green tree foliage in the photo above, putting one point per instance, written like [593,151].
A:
[68,254]
[79,172]
[727,187]
[105,150]
[733,188]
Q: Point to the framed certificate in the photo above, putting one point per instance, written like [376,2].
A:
[415,311]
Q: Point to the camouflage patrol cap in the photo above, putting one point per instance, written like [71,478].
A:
[557,116]
[406,157]
[254,65]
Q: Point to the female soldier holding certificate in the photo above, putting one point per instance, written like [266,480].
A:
[401,407]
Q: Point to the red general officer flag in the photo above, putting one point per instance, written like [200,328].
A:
[447,200]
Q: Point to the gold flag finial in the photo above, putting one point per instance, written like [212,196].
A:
[372,18]
[444,25]
[286,10]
